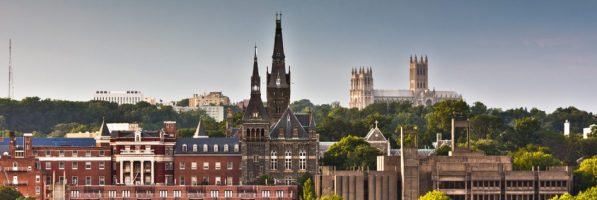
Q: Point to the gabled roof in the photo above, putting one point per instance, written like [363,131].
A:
[375,135]
[306,119]
[104,131]
[255,110]
[287,123]
[199,131]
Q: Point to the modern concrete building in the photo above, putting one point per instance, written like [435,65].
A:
[119,97]
[211,98]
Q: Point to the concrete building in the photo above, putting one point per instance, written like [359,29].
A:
[119,97]
[587,131]
[211,98]
[215,112]
[362,92]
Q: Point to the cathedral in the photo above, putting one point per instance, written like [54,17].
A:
[275,141]
[363,94]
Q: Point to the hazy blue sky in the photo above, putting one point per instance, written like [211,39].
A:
[504,53]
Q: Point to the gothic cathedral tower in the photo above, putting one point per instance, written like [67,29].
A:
[278,81]
[418,74]
[361,88]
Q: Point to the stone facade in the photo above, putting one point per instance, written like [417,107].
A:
[274,140]
[212,98]
[362,92]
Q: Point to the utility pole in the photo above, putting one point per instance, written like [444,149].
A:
[10,84]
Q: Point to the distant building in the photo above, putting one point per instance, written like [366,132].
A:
[215,112]
[212,98]
[119,97]
[587,131]
[363,94]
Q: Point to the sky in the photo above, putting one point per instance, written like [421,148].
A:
[506,54]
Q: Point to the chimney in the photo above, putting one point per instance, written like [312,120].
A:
[28,139]
[12,145]
[170,128]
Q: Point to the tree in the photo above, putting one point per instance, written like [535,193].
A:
[439,121]
[442,150]
[586,174]
[351,152]
[589,194]
[331,197]
[9,193]
[565,196]
[533,156]
[183,102]
[308,193]
[434,195]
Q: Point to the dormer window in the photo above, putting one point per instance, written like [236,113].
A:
[255,114]
[184,148]
[205,148]
[215,148]
[195,148]
[236,149]
[225,148]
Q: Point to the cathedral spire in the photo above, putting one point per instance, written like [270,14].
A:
[278,54]
[255,79]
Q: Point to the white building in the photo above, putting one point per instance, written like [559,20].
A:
[215,112]
[120,97]
[587,131]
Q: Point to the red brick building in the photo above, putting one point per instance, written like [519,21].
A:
[19,167]
[207,161]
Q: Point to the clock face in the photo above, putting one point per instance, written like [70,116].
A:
[255,88]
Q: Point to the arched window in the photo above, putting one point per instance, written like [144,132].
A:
[205,149]
[194,147]
[215,148]
[184,148]
[288,160]
[226,148]
[302,159]
[236,149]
[274,160]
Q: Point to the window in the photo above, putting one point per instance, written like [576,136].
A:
[75,180]
[168,151]
[112,194]
[169,166]
[88,153]
[75,153]
[265,193]
[228,193]
[218,180]
[102,153]
[195,148]
[194,180]
[101,165]
[87,165]
[184,148]
[75,165]
[218,166]
[236,149]
[48,165]
[215,148]
[37,178]
[230,166]
[102,180]
[225,148]
[193,165]
[34,153]
[48,154]
[205,180]
[181,166]
[274,160]
[61,153]
[88,180]
[288,160]
[125,193]
[37,189]
[181,180]
[60,165]
[205,148]
[205,165]
[74,193]
[229,181]
[163,193]
[177,193]
[214,193]
[280,193]
[302,160]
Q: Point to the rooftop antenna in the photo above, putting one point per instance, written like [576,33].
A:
[10,79]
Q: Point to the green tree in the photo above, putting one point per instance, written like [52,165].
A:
[586,174]
[351,152]
[9,193]
[331,197]
[434,195]
[533,156]
[565,196]
[442,150]
[308,193]
[589,194]
[183,102]
[302,105]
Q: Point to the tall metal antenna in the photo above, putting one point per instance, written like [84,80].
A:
[10,86]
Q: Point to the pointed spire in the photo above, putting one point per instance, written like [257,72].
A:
[411,58]
[104,131]
[199,132]
[255,65]
[426,59]
[278,54]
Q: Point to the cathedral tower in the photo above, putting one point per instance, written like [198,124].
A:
[361,88]
[278,81]
[255,131]
[418,74]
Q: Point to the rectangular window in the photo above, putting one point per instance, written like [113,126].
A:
[37,178]
[102,180]
[214,193]
[193,165]
[229,180]
[88,153]
[101,165]
[181,165]
[75,165]
[37,189]
[181,180]
[112,194]
[87,165]
[88,180]
[102,153]
[230,166]
[177,193]
[60,165]
[75,180]
[61,153]
[280,193]
[169,166]
[163,193]
[228,193]
[194,180]
[48,165]
[48,154]
[205,165]
[126,193]
[75,153]
[265,193]
[218,180]
[74,193]
[218,166]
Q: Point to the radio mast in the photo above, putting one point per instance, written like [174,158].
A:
[10,84]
